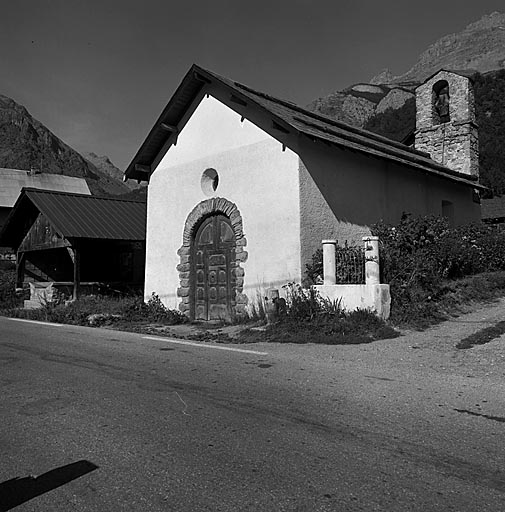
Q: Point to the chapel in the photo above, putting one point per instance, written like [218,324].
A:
[243,186]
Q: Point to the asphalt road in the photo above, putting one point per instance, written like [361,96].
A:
[99,420]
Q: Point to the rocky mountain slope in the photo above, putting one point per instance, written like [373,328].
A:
[25,143]
[104,164]
[479,47]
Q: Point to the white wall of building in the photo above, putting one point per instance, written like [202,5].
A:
[254,173]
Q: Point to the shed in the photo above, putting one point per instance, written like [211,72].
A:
[13,180]
[76,240]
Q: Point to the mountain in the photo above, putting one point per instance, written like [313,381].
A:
[26,143]
[479,47]
[104,164]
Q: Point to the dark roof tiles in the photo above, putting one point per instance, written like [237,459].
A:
[292,117]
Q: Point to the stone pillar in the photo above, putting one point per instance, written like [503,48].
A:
[372,268]
[270,305]
[329,262]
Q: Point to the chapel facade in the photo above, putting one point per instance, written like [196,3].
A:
[244,186]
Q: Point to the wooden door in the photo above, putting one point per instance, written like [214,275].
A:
[212,292]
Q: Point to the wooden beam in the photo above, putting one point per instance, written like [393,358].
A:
[75,254]
[201,78]
[238,101]
[143,168]
[20,269]
[279,127]
[169,128]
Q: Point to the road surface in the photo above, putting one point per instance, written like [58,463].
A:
[100,420]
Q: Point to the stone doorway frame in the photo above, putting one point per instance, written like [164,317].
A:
[204,209]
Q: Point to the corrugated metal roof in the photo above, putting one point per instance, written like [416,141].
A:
[79,216]
[289,116]
[13,180]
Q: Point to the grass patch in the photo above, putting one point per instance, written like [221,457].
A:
[451,298]
[349,329]
[8,296]
[309,318]
[483,336]
[98,311]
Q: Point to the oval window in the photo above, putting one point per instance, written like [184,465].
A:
[209,181]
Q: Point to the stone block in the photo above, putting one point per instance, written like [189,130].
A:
[242,256]
[184,251]
[182,292]
[241,298]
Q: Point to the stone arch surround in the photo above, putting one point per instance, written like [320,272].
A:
[198,214]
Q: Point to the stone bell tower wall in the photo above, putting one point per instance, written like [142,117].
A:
[452,141]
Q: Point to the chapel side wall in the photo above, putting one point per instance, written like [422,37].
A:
[342,193]
[262,181]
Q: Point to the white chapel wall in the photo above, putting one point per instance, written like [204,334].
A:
[254,173]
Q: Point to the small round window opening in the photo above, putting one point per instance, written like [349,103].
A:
[209,181]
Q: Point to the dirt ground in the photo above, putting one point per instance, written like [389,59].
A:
[433,349]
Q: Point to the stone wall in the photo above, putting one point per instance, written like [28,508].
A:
[453,143]
[201,211]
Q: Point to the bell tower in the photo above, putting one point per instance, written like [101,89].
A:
[445,122]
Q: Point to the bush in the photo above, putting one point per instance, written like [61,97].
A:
[420,254]
[105,310]
[153,311]
[311,318]
[8,296]
[349,268]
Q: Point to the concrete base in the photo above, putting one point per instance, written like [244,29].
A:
[375,297]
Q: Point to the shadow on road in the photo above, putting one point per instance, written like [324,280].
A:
[16,491]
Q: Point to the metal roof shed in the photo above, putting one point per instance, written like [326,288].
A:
[59,232]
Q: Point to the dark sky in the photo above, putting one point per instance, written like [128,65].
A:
[98,73]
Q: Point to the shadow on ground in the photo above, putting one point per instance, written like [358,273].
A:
[16,491]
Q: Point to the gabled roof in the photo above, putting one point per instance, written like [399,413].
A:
[13,180]
[77,216]
[287,119]
[467,73]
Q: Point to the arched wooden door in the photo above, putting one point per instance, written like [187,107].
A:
[212,290]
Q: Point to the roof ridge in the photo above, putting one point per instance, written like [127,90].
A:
[77,194]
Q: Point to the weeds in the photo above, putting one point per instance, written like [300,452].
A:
[311,318]
[102,310]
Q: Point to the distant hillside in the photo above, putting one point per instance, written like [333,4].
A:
[26,144]
[104,164]
[138,194]
[479,47]
[489,89]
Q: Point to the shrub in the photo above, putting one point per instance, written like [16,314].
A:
[312,318]
[107,310]
[8,296]
[420,254]
[350,261]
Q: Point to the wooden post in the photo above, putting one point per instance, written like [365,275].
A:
[75,254]
[20,269]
